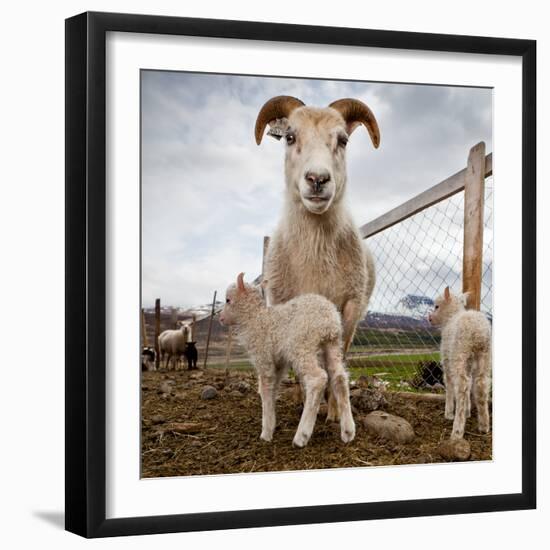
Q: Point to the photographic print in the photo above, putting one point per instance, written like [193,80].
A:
[316,273]
[280,284]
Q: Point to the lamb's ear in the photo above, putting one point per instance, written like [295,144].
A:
[447,294]
[464,298]
[240,282]
[264,283]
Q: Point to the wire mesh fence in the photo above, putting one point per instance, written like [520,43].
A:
[415,259]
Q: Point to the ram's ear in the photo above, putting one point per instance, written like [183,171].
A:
[264,283]
[447,294]
[278,128]
[277,108]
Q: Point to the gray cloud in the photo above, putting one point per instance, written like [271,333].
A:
[210,194]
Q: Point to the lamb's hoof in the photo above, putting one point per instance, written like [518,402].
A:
[483,429]
[300,440]
[266,437]
[449,416]
[348,435]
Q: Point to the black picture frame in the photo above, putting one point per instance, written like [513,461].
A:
[86,274]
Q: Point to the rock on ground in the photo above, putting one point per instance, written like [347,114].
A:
[389,427]
[241,386]
[165,387]
[367,399]
[209,392]
[158,419]
[455,449]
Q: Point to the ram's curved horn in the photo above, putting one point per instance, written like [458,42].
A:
[277,107]
[355,112]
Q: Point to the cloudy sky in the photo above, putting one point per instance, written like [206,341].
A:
[210,194]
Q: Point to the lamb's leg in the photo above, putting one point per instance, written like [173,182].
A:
[468,399]
[314,380]
[350,316]
[333,410]
[449,395]
[267,388]
[481,391]
[461,390]
[338,381]
[333,413]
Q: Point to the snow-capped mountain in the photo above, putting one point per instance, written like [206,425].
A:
[414,306]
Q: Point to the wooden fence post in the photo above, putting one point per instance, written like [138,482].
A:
[145,340]
[193,330]
[228,347]
[210,328]
[174,313]
[157,333]
[264,256]
[474,200]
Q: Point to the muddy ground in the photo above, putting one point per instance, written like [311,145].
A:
[184,434]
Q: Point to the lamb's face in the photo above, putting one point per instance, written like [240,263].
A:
[230,314]
[445,306]
[315,161]
[240,300]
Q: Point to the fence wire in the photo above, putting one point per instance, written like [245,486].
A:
[415,260]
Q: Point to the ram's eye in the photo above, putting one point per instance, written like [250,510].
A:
[436,307]
[342,141]
[227,301]
[290,139]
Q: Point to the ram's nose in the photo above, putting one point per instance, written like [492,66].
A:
[316,179]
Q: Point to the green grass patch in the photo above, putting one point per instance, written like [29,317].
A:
[391,360]
[369,339]
[394,369]
[243,365]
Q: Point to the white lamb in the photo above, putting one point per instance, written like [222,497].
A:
[466,360]
[292,333]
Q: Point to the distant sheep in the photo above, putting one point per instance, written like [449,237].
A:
[294,332]
[317,247]
[172,344]
[466,360]
[148,357]
[191,354]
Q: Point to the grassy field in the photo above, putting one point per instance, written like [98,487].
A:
[369,339]
[393,368]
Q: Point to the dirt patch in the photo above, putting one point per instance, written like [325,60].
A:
[183,434]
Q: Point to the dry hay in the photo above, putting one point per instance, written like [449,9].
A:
[183,434]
